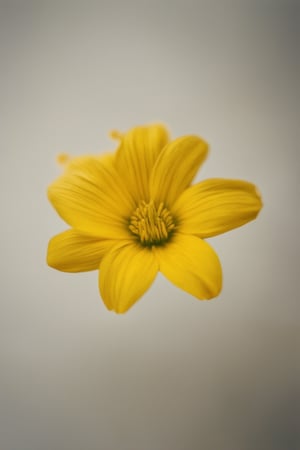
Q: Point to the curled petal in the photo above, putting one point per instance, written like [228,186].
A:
[136,156]
[192,265]
[92,198]
[71,251]
[126,272]
[215,206]
[176,167]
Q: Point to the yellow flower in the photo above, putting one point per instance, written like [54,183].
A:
[135,212]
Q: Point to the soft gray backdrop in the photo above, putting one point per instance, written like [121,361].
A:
[174,373]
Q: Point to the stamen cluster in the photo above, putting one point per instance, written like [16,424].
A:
[151,225]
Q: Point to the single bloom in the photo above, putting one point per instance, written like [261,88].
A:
[134,212]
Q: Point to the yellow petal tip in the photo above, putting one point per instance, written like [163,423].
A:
[116,135]
[63,158]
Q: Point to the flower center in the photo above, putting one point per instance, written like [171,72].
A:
[153,226]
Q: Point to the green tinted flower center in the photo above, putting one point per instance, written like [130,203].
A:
[152,226]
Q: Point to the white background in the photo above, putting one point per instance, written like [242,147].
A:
[173,373]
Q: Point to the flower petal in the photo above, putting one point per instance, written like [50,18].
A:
[192,265]
[176,167]
[69,162]
[91,197]
[76,163]
[126,272]
[71,251]
[215,206]
[136,156]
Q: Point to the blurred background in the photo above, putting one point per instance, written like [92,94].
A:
[173,373]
